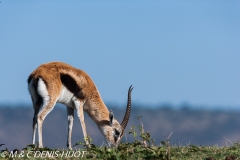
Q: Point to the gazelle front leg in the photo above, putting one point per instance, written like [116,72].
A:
[70,112]
[79,108]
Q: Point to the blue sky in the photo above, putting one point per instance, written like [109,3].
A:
[170,51]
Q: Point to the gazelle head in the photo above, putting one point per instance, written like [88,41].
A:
[113,131]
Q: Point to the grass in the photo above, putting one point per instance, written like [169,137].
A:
[142,147]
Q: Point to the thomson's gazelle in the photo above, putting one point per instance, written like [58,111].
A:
[57,82]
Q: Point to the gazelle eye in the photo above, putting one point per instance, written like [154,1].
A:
[116,135]
[117,132]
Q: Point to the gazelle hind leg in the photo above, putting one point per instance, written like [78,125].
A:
[37,102]
[70,113]
[48,103]
[46,109]
[36,107]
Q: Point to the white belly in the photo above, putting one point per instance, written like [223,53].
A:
[66,97]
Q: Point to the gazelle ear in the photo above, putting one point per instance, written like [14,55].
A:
[111,117]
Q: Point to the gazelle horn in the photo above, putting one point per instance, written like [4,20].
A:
[128,109]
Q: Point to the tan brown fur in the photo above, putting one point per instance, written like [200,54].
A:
[55,76]
[50,73]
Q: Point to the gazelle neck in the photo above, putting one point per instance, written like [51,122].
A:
[96,109]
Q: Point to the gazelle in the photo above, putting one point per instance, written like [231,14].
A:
[57,82]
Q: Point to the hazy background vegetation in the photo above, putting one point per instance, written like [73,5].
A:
[189,125]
